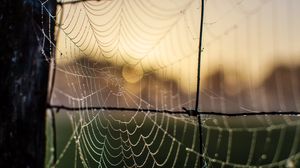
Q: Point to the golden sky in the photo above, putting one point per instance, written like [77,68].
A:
[244,37]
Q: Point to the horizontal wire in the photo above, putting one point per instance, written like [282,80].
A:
[61,107]
[251,113]
[183,111]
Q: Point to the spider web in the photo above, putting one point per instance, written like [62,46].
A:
[143,55]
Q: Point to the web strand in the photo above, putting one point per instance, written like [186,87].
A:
[125,76]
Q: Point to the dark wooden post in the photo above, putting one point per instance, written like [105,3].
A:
[24,73]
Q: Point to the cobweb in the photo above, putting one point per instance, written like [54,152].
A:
[125,84]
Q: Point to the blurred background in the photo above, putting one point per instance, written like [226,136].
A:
[143,54]
[148,51]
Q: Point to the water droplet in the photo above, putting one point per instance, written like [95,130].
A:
[264,156]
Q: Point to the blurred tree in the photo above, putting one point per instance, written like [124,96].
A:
[23,81]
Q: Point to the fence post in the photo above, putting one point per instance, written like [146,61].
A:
[24,73]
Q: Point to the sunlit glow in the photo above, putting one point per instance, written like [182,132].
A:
[132,75]
[246,45]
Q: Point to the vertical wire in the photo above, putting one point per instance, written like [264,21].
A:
[198,82]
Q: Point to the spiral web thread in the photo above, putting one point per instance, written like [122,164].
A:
[125,55]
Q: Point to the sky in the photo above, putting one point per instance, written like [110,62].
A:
[245,38]
[252,36]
